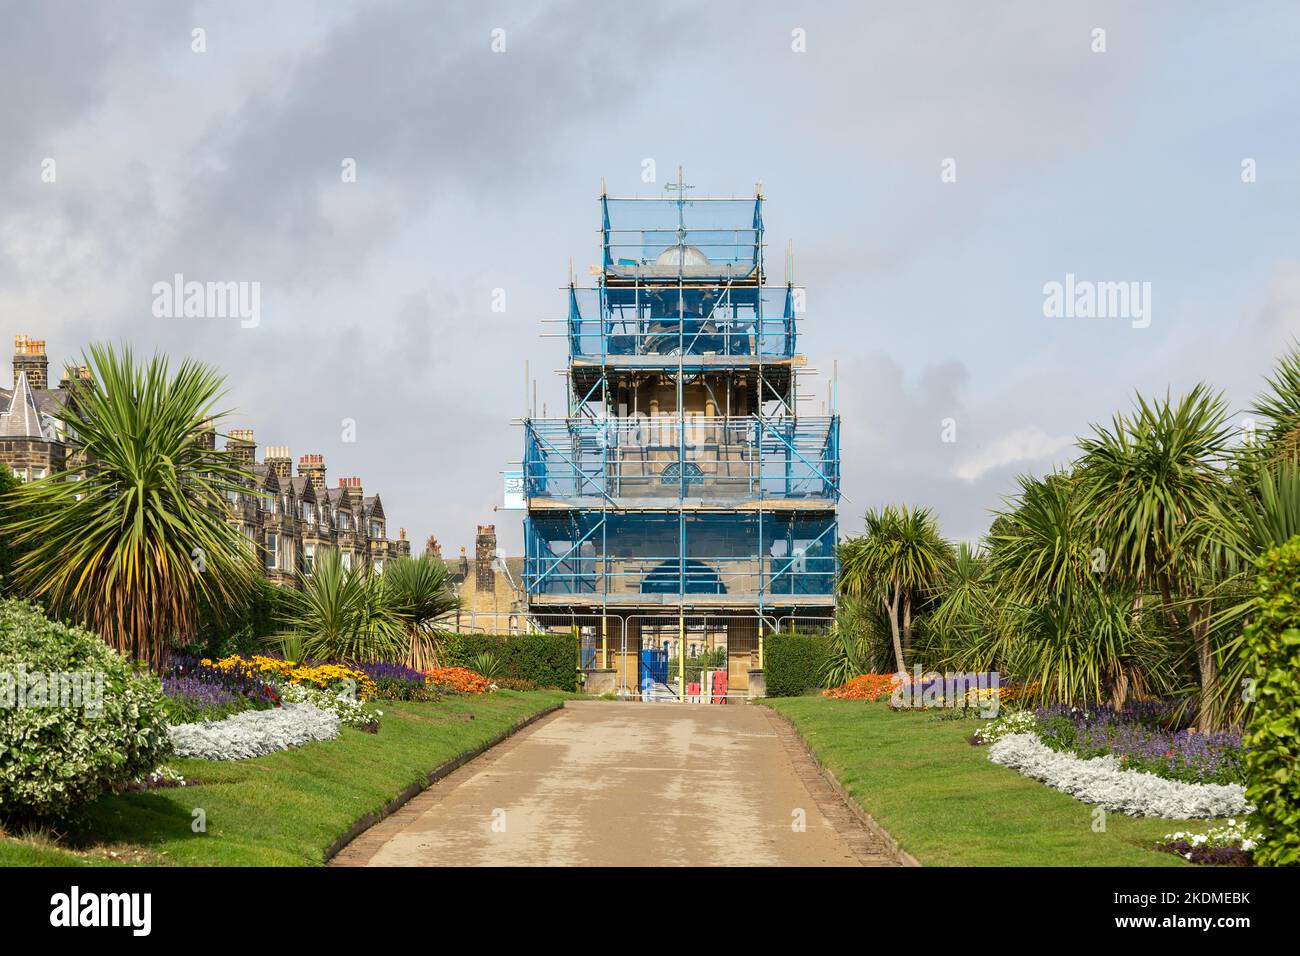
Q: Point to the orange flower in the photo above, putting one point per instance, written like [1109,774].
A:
[865,687]
[459,679]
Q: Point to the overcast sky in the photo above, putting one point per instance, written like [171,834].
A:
[479,170]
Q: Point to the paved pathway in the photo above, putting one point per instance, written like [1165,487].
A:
[605,783]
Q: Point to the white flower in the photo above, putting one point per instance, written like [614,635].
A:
[1104,782]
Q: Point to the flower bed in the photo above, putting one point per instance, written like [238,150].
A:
[398,682]
[457,680]
[254,732]
[1232,844]
[198,691]
[865,687]
[1104,782]
[320,675]
[1143,738]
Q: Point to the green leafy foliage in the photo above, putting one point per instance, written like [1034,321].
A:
[548,660]
[54,760]
[1273,733]
[794,663]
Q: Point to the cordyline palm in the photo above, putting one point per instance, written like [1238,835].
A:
[419,591]
[902,555]
[1259,511]
[1279,407]
[1056,614]
[134,548]
[342,614]
[1147,478]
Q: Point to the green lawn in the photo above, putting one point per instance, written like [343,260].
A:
[947,804]
[286,808]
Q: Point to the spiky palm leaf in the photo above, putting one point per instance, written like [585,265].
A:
[343,614]
[1146,479]
[140,542]
[419,591]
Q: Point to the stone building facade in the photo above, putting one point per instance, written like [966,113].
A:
[489,587]
[289,519]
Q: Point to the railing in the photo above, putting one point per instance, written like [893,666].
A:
[667,457]
[795,575]
[717,320]
[636,234]
[648,556]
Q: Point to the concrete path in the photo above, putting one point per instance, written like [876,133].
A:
[602,783]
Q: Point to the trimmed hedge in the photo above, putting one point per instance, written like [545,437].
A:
[548,660]
[1273,733]
[793,663]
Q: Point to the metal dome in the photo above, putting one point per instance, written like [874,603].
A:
[682,255]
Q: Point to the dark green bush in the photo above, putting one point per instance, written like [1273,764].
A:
[548,660]
[59,752]
[1273,732]
[794,663]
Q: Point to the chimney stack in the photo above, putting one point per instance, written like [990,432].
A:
[485,549]
[240,445]
[312,467]
[353,484]
[205,437]
[30,357]
[70,372]
[431,546]
[279,461]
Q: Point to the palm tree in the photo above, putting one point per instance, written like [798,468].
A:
[1051,612]
[1260,511]
[139,543]
[1146,479]
[901,556]
[1279,406]
[343,614]
[419,591]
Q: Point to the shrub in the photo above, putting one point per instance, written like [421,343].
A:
[56,759]
[548,660]
[794,663]
[1273,639]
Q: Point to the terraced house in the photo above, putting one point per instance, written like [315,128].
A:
[290,519]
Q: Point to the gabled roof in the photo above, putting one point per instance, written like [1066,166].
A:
[373,505]
[22,419]
[303,489]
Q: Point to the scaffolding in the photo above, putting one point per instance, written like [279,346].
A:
[682,479]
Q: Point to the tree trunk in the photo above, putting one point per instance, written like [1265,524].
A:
[893,627]
[1200,621]
[907,624]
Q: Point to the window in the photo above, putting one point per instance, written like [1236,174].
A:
[38,472]
[272,549]
[379,566]
[347,560]
[376,529]
[308,513]
[308,558]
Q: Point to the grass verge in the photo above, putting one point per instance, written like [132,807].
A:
[947,804]
[286,808]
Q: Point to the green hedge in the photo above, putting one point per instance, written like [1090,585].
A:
[1273,731]
[548,660]
[793,663]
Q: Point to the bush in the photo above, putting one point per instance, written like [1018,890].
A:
[56,759]
[794,663]
[548,660]
[1273,639]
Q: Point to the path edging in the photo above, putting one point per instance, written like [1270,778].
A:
[900,855]
[432,777]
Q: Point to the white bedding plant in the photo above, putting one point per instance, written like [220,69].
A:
[1102,781]
[253,733]
[346,707]
[1012,722]
[1233,833]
